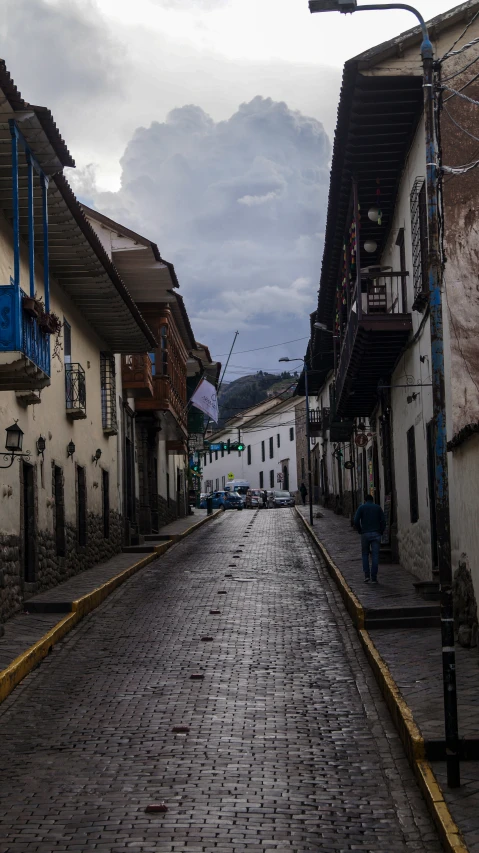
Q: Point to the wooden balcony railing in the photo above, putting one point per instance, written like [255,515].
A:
[136,375]
[166,399]
[376,330]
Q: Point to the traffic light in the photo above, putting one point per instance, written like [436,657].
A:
[240,447]
[237,445]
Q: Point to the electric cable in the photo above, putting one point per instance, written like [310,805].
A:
[269,346]
[449,52]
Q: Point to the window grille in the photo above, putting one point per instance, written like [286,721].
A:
[271,448]
[108,393]
[419,239]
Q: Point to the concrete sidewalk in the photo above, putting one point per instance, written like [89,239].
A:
[30,635]
[413,655]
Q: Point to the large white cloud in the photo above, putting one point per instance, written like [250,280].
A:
[238,206]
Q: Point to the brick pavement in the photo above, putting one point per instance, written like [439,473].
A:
[290,747]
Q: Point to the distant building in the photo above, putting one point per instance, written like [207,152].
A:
[268,431]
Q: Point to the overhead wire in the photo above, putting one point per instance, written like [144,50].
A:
[451,52]
[269,346]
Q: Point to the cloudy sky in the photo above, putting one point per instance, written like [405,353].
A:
[206,125]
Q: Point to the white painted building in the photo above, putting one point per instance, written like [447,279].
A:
[269,459]
[371,383]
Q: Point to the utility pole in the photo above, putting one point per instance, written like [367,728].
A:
[438,383]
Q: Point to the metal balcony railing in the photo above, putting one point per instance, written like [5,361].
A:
[75,391]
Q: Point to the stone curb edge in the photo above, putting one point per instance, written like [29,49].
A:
[28,660]
[409,732]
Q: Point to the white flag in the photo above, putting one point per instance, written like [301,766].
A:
[204,399]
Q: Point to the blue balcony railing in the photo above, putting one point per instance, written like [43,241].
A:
[21,333]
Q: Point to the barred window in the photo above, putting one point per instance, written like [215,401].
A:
[419,239]
[108,393]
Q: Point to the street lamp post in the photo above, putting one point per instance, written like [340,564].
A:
[438,384]
[308,440]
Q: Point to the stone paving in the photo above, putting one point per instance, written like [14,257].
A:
[25,629]
[289,745]
[414,659]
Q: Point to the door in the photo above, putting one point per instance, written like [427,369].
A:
[105,477]
[285,478]
[59,512]
[432,492]
[81,506]
[29,539]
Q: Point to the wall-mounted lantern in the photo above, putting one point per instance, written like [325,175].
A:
[70,450]
[14,443]
[41,445]
[96,457]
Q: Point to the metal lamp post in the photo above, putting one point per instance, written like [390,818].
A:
[438,384]
[308,441]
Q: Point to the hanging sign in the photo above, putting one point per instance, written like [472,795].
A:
[231,476]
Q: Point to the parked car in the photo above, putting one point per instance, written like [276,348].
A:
[254,498]
[225,500]
[280,498]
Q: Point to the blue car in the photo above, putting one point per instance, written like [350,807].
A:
[225,500]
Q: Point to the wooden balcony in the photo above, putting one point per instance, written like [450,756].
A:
[165,398]
[318,421]
[373,339]
[136,375]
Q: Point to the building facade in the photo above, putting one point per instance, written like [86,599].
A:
[65,313]
[372,407]
[268,431]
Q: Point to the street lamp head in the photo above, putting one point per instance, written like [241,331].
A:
[322,327]
[14,439]
[284,358]
[333,6]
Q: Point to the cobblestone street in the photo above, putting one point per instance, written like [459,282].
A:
[237,634]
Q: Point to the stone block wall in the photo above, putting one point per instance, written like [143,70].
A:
[50,568]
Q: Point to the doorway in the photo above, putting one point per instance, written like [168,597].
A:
[29,539]
[285,478]
[432,492]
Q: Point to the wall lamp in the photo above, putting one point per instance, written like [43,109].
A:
[13,444]
[41,445]
[96,457]
[70,449]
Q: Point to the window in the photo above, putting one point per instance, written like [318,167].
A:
[81,506]
[271,448]
[302,468]
[249,454]
[105,484]
[223,481]
[216,455]
[419,239]
[229,448]
[168,489]
[412,469]
[217,484]
[261,480]
[67,342]
[59,496]
[278,440]
[263,454]
[271,479]
[204,459]
[291,433]
[162,367]
[211,457]
[222,451]
[108,393]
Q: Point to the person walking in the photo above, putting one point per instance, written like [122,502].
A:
[370,522]
[303,491]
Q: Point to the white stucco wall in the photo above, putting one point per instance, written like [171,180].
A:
[49,419]
[253,434]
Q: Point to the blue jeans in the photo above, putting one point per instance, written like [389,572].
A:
[370,541]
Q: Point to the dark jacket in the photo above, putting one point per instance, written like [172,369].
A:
[370,518]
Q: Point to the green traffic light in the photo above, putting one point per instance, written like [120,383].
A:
[240,447]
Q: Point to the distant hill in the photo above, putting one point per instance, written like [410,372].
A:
[246,391]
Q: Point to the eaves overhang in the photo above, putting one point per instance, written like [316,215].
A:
[83,269]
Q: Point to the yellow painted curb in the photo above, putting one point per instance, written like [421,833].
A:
[198,524]
[28,660]
[351,602]
[400,711]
